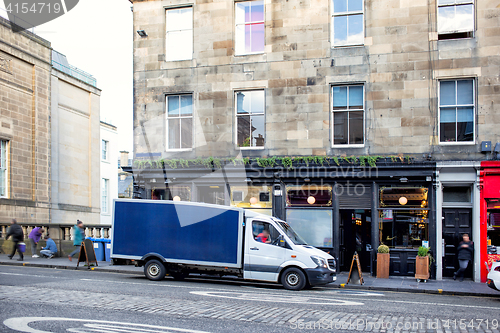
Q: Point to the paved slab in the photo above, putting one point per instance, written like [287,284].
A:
[403,284]
[409,284]
[64,263]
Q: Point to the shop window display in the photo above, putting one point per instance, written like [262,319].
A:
[313,225]
[407,229]
[251,197]
[254,198]
[493,227]
[309,216]
[309,196]
[172,192]
[212,194]
[403,220]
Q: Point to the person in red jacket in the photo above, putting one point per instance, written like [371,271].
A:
[264,237]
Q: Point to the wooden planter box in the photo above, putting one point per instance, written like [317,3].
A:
[422,268]
[383,260]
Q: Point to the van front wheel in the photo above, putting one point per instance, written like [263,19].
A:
[293,279]
[155,270]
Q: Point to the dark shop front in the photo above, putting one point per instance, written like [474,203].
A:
[341,209]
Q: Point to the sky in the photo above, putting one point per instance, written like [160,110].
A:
[96,36]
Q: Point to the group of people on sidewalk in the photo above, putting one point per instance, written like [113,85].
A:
[50,248]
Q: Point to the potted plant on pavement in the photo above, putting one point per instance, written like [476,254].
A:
[383,260]
[422,261]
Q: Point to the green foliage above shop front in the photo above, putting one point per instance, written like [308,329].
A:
[266,162]
[287,162]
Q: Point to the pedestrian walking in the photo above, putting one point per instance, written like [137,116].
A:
[465,250]
[50,248]
[78,237]
[34,238]
[17,234]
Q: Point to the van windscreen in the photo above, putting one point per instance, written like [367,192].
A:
[287,229]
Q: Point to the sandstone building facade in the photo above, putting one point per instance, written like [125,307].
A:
[25,67]
[342,81]
[76,144]
[395,66]
[49,135]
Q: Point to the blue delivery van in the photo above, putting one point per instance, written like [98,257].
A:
[178,238]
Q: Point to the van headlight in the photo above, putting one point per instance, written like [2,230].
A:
[320,262]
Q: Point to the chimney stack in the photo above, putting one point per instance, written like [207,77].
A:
[123,158]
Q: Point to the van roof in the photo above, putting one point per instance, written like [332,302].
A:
[252,214]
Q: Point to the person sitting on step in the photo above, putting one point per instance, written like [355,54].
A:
[50,249]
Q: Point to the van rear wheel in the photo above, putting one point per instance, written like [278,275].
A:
[293,279]
[155,270]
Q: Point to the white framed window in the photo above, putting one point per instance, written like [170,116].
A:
[455,19]
[3,168]
[105,196]
[348,115]
[105,147]
[250,118]
[179,34]
[179,122]
[348,22]
[456,111]
[249,19]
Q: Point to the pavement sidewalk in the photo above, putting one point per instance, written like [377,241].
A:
[394,283]
[64,263]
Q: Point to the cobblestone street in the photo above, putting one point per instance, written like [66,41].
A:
[318,309]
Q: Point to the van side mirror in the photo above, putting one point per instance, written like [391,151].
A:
[280,241]
[276,241]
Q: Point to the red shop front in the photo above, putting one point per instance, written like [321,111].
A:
[490,215]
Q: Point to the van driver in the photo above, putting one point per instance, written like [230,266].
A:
[264,237]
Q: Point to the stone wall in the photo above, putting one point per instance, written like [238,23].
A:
[76,150]
[400,65]
[25,124]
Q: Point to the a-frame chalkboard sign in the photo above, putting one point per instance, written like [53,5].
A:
[359,277]
[87,253]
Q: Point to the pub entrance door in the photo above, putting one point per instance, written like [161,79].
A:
[457,221]
[355,233]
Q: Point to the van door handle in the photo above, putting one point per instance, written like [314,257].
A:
[254,248]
